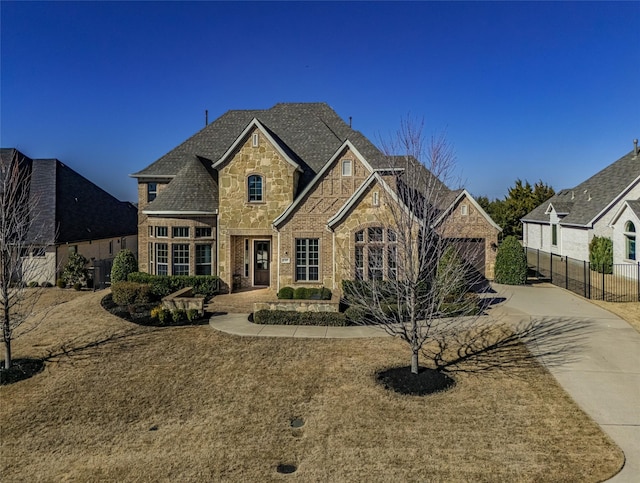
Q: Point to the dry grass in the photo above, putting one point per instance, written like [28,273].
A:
[221,407]
[629,311]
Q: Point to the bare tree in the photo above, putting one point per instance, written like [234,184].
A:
[19,240]
[419,290]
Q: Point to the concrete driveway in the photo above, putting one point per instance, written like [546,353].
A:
[603,374]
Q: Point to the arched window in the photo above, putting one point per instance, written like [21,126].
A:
[630,240]
[255,187]
[375,249]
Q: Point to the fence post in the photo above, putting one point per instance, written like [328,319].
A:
[602,268]
[551,267]
[538,263]
[638,280]
[584,277]
[566,273]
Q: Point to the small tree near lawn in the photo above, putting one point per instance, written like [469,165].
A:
[75,271]
[412,300]
[124,264]
[601,254]
[511,263]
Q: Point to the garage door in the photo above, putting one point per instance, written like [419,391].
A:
[472,252]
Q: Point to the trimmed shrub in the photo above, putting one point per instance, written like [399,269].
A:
[307,293]
[163,285]
[300,293]
[77,286]
[123,264]
[60,283]
[155,312]
[601,254]
[46,284]
[511,263]
[356,315]
[33,284]
[130,293]
[164,316]
[285,293]
[283,317]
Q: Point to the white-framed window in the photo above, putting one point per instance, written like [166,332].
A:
[180,232]
[162,232]
[180,259]
[630,241]
[464,210]
[203,259]
[307,259]
[150,230]
[376,198]
[255,188]
[347,167]
[162,259]
[152,191]
[150,251]
[255,140]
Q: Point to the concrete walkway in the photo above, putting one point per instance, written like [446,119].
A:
[603,377]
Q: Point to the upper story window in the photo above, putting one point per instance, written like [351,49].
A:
[203,231]
[464,210]
[152,191]
[375,254]
[554,235]
[347,167]
[180,232]
[162,231]
[255,187]
[630,241]
[255,140]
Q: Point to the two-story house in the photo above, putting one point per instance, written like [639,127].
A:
[288,196]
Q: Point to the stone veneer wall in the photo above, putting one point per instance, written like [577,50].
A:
[300,305]
[473,225]
[239,217]
[310,220]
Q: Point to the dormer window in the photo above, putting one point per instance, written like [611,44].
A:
[347,167]
[255,187]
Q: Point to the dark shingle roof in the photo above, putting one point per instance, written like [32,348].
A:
[591,197]
[70,208]
[194,189]
[635,206]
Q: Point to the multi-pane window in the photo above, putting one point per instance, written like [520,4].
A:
[152,191]
[180,232]
[203,232]
[376,249]
[254,185]
[307,259]
[554,235]
[162,259]
[162,231]
[203,259]
[180,259]
[630,241]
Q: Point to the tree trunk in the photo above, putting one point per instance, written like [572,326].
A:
[7,354]
[414,362]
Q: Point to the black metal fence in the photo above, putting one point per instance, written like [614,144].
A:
[621,285]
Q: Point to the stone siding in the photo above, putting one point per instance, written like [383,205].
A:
[300,305]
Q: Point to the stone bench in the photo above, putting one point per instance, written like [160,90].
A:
[185,300]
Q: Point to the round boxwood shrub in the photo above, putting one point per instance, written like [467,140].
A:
[285,293]
[124,264]
[511,263]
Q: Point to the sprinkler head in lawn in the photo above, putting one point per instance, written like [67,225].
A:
[403,381]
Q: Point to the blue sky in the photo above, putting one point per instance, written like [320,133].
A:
[524,90]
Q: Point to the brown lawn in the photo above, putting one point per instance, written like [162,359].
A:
[629,311]
[192,404]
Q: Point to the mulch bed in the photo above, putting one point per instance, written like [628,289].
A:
[142,314]
[20,370]
[403,381]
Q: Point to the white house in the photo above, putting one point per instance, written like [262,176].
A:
[607,204]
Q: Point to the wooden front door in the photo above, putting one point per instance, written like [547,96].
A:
[261,259]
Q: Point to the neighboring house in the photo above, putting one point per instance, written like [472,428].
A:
[288,196]
[73,215]
[604,205]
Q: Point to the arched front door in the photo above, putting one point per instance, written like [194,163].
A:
[261,262]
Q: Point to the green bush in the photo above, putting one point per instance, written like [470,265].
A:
[601,254]
[130,293]
[46,284]
[193,314]
[123,264]
[33,284]
[164,316]
[60,283]
[283,317]
[511,263]
[178,316]
[357,315]
[285,293]
[77,286]
[306,293]
[74,271]
[155,312]
[163,285]
[300,293]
